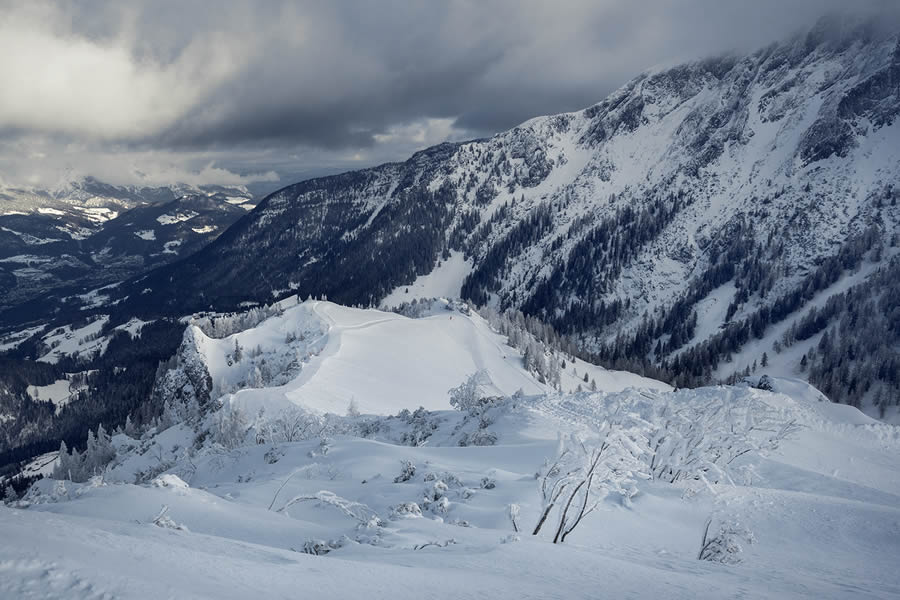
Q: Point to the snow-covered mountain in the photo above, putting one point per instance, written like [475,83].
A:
[90,233]
[291,455]
[688,222]
[704,223]
[90,193]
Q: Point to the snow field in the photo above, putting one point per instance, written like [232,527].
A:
[823,507]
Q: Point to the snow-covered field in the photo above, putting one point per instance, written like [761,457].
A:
[65,341]
[382,361]
[802,497]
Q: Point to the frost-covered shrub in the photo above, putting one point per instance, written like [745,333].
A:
[435,498]
[163,520]
[172,482]
[229,428]
[358,511]
[470,395]
[273,455]
[422,424]
[513,512]
[291,425]
[583,472]
[479,437]
[723,544]
[436,544]
[323,448]
[700,438]
[449,479]
[367,428]
[323,547]
[405,510]
[407,472]
[480,410]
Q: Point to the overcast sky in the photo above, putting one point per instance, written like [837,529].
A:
[227,91]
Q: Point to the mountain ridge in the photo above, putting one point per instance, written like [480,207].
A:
[621,224]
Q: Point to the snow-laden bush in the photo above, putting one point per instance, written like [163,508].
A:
[358,511]
[723,543]
[583,472]
[407,472]
[229,428]
[700,438]
[163,520]
[421,425]
[471,397]
[405,510]
[170,481]
[322,547]
[514,512]
[291,425]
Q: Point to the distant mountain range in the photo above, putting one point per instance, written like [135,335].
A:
[90,233]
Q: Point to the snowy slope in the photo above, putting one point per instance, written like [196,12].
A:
[445,281]
[231,528]
[382,361]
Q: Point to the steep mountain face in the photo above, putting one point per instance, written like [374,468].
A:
[92,233]
[685,222]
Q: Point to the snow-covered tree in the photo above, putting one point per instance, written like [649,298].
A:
[229,428]
[584,472]
[130,430]
[700,438]
[353,408]
[469,395]
[79,467]
[9,495]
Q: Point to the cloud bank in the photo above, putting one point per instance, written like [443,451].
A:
[237,91]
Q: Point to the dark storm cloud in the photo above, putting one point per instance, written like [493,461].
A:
[239,83]
[357,68]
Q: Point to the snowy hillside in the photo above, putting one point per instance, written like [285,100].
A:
[684,224]
[706,493]
[324,356]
